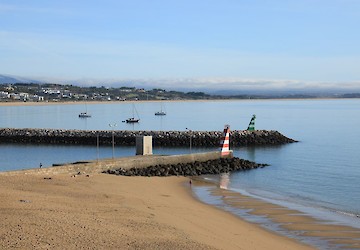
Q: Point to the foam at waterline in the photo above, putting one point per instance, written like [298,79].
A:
[317,212]
[292,217]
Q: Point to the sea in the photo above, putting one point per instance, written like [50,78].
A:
[319,175]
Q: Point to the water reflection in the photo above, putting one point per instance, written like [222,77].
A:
[224,180]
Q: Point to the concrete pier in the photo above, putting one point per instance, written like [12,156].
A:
[140,161]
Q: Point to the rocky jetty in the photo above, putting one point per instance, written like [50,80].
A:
[218,166]
[127,138]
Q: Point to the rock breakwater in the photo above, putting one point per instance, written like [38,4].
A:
[127,138]
[217,166]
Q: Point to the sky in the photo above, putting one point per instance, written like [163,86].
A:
[208,43]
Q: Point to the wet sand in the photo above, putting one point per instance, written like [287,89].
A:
[300,225]
[114,212]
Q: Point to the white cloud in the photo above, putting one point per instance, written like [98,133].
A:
[210,84]
[219,84]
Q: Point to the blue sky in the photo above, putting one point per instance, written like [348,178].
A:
[309,42]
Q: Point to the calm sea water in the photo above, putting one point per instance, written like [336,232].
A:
[321,171]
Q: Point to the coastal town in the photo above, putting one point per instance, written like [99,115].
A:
[53,92]
[33,92]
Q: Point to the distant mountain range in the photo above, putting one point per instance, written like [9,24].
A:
[16,79]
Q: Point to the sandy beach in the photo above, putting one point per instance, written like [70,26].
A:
[46,103]
[113,212]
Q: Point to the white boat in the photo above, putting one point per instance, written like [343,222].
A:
[84,115]
[161,112]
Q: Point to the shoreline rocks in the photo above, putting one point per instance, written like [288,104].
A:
[127,138]
[217,166]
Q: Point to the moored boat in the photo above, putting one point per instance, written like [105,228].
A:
[161,112]
[84,115]
[133,119]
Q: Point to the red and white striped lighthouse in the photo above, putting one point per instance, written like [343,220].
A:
[225,141]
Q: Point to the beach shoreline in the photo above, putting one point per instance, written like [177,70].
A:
[82,102]
[116,212]
[9,104]
[319,228]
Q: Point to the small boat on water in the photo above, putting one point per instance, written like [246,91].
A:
[133,119]
[84,115]
[161,112]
